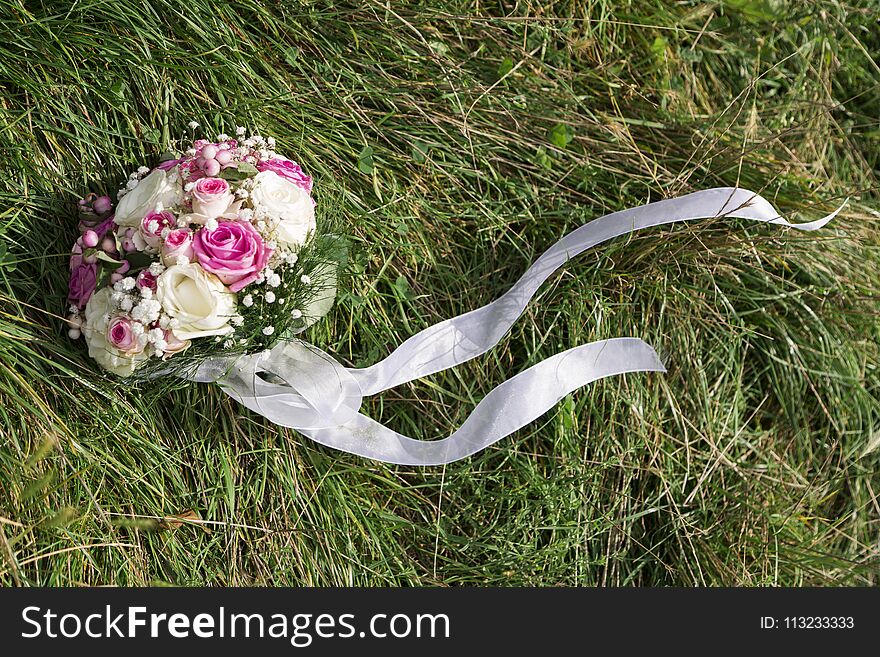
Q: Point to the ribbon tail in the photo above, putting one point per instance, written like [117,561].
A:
[508,407]
[459,339]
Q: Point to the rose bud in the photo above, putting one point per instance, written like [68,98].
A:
[102,205]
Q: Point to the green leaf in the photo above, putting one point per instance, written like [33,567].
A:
[543,158]
[505,67]
[658,48]
[247,169]
[365,160]
[104,257]
[401,285]
[419,152]
[231,174]
[118,89]
[561,135]
[438,47]
[138,260]
[152,136]
[758,11]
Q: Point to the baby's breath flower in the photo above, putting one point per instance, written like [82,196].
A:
[248,300]
[193,125]
[269,330]
[306,279]
[270,297]
[296,313]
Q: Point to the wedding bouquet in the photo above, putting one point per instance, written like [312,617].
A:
[213,261]
[214,251]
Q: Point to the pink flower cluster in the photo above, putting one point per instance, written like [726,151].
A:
[167,265]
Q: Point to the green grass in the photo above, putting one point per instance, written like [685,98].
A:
[492,133]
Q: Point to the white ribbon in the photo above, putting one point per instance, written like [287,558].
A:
[299,386]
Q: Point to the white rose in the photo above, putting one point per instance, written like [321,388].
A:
[156,190]
[98,309]
[287,203]
[199,302]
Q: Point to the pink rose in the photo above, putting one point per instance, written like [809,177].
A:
[153,224]
[287,169]
[121,337]
[234,251]
[177,243]
[211,198]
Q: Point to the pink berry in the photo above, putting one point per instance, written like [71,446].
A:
[209,151]
[212,167]
[223,157]
[102,204]
[90,238]
[200,162]
[108,245]
[128,244]
[74,334]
